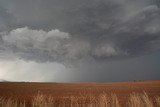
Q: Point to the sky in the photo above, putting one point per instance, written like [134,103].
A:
[79,40]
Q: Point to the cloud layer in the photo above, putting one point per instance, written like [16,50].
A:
[92,29]
[47,34]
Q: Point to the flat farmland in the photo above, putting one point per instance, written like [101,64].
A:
[26,91]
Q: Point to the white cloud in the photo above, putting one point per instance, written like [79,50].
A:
[27,38]
[52,45]
[19,70]
[35,43]
[106,50]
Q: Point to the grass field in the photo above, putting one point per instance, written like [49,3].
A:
[120,94]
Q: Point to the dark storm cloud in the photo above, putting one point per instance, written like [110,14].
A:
[86,29]
[6,19]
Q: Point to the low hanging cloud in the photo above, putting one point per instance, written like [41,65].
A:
[53,45]
[20,70]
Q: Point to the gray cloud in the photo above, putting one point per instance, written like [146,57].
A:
[79,40]
[92,29]
[6,19]
[53,45]
[140,68]
[40,45]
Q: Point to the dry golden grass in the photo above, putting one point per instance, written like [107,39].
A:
[103,100]
[140,100]
[158,101]
[11,103]
[41,100]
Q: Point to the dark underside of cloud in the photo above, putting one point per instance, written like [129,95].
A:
[73,30]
